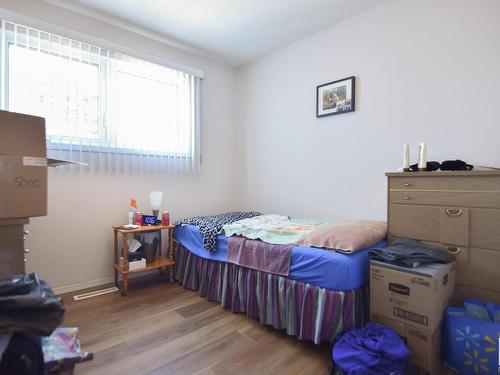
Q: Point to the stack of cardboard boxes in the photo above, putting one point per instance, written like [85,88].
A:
[412,302]
[23,185]
[23,166]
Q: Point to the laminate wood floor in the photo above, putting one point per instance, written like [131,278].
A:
[162,328]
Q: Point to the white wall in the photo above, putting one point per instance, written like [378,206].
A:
[73,244]
[426,71]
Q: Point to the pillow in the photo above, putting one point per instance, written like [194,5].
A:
[347,236]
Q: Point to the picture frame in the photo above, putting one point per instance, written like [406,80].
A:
[336,97]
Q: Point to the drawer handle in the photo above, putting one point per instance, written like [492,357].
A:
[406,197]
[453,212]
[406,184]
[452,250]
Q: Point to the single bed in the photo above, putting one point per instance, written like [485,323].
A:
[324,294]
[319,267]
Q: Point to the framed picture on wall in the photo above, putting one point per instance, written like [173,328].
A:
[334,98]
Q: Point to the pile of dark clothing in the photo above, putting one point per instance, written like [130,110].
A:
[29,309]
[410,253]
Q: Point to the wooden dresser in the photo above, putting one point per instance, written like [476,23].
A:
[12,251]
[459,211]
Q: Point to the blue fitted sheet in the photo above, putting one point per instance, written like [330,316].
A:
[326,269]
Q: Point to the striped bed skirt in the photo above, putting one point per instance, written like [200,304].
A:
[309,312]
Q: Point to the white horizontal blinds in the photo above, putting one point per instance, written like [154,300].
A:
[112,111]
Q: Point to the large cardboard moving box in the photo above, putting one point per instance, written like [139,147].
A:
[418,296]
[412,302]
[23,166]
[425,346]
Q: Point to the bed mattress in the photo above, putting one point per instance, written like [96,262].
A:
[326,269]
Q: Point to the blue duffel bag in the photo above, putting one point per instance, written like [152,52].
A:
[471,337]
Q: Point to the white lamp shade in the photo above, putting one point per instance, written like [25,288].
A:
[155,198]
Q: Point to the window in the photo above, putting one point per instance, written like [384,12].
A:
[64,91]
[98,100]
[156,99]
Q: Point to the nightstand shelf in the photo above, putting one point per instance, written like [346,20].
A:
[160,262]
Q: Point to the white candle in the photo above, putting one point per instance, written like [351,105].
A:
[406,157]
[422,157]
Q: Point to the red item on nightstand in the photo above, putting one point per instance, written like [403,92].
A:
[138,218]
[165,218]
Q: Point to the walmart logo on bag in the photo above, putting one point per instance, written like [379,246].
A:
[473,359]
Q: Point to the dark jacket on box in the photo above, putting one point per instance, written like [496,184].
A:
[411,253]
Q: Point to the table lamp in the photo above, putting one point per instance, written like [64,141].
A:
[155,198]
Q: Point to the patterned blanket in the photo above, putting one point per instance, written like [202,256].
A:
[274,229]
[211,226]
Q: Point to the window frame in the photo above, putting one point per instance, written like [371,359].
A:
[102,145]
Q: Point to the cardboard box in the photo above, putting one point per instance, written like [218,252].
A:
[425,346]
[418,296]
[23,166]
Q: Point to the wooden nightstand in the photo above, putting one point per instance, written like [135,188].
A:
[167,261]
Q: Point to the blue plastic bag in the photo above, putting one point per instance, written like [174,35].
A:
[471,338]
[371,350]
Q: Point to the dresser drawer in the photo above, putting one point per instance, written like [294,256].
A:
[483,269]
[476,268]
[485,228]
[448,183]
[430,223]
[454,226]
[417,222]
[461,254]
[444,198]
[11,250]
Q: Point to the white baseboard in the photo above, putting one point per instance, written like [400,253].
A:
[97,282]
[79,286]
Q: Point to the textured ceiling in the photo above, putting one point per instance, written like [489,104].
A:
[239,31]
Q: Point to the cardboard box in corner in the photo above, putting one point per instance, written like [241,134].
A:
[418,296]
[23,166]
[412,302]
[425,346]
